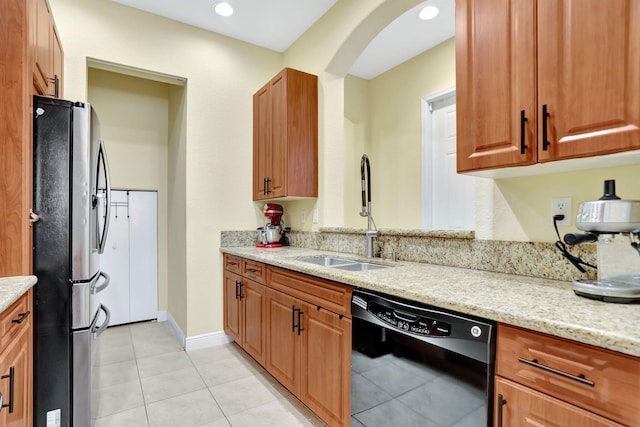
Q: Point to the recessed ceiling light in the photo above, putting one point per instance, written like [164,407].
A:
[223,9]
[428,12]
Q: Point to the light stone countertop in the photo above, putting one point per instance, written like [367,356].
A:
[12,288]
[542,305]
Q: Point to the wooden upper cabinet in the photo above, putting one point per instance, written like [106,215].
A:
[42,65]
[564,72]
[589,76]
[285,137]
[47,52]
[57,55]
[495,83]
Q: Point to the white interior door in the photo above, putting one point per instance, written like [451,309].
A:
[131,257]
[115,260]
[450,196]
[143,243]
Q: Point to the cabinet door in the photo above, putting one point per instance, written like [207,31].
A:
[232,307]
[17,355]
[326,364]
[261,141]
[254,319]
[588,76]
[279,136]
[57,58]
[495,83]
[283,341]
[42,47]
[523,407]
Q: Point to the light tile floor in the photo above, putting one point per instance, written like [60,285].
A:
[146,379]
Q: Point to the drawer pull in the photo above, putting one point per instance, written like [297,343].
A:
[579,378]
[21,317]
[252,270]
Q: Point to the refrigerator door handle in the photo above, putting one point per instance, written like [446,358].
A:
[97,330]
[103,155]
[107,281]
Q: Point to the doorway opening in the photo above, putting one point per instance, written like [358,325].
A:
[448,198]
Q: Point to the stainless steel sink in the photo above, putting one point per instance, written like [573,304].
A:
[360,266]
[327,261]
[342,263]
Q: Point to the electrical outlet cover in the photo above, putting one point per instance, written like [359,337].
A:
[562,206]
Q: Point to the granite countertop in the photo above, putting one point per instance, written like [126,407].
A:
[542,305]
[12,288]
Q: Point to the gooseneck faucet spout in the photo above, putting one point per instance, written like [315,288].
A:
[366,203]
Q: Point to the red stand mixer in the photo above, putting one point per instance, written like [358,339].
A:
[272,235]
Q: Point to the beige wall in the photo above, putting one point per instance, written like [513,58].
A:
[211,176]
[134,116]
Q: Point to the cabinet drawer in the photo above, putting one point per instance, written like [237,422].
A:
[598,380]
[232,263]
[14,319]
[517,405]
[330,295]
[254,270]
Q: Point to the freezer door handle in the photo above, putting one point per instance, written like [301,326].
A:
[103,286]
[97,330]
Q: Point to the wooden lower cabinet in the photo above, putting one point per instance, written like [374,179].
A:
[16,364]
[253,319]
[520,406]
[232,307]
[326,364]
[298,328]
[283,341]
[551,381]
[244,314]
[309,352]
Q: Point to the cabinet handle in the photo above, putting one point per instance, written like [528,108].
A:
[239,290]
[252,270]
[300,313]
[501,402]
[11,377]
[56,85]
[21,317]
[545,140]
[232,263]
[293,318]
[523,120]
[267,185]
[579,378]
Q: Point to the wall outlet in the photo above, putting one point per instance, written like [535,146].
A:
[562,206]
[303,217]
[315,216]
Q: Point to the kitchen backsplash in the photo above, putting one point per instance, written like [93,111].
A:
[450,248]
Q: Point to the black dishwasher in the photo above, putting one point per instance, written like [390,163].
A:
[418,365]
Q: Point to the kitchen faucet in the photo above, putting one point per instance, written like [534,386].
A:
[366,204]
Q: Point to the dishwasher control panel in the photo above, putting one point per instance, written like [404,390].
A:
[410,322]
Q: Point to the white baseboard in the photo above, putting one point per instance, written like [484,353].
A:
[165,316]
[195,342]
[207,340]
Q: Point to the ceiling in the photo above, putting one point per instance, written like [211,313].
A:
[254,22]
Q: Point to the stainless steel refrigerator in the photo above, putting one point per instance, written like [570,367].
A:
[71,197]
